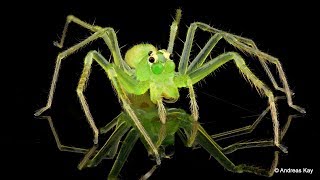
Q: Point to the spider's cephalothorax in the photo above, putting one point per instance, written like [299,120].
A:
[156,67]
[146,77]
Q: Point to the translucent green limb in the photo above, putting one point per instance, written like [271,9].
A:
[214,149]
[109,37]
[111,40]
[250,43]
[89,152]
[184,59]
[245,45]
[60,146]
[265,57]
[77,21]
[80,89]
[215,63]
[60,57]
[123,154]
[110,125]
[241,131]
[247,129]
[254,144]
[204,53]
[113,140]
[116,76]
[114,147]
[149,173]
[174,30]
[194,113]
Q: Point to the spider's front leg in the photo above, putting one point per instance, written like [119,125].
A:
[183,70]
[59,59]
[123,83]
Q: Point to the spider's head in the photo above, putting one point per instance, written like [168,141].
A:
[150,62]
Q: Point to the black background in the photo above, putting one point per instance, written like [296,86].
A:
[286,31]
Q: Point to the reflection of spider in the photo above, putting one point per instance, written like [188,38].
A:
[146,77]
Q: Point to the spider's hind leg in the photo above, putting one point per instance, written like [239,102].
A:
[249,46]
[215,63]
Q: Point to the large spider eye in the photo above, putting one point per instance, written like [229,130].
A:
[171,56]
[151,59]
[149,53]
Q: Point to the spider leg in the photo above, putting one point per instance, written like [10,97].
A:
[261,143]
[214,149]
[110,125]
[185,69]
[248,129]
[89,152]
[80,89]
[109,38]
[174,30]
[117,134]
[116,76]
[123,154]
[217,152]
[60,146]
[60,57]
[194,112]
[77,21]
[241,131]
[263,57]
[248,46]
[215,63]
[252,44]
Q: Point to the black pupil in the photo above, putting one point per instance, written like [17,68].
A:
[171,56]
[151,59]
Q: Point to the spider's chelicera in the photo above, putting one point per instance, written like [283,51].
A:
[146,77]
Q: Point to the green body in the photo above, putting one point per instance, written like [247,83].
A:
[159,76]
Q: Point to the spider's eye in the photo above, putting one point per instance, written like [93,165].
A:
[171,56]
[149,53]
[151,59]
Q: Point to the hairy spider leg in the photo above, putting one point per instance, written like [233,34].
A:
[62,56]
[215,63]
[174,30]
[107,34]
[248,46]
[111,39]
[252,44]
[197,67]
[116,75]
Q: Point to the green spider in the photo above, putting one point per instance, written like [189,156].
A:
[146,77]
